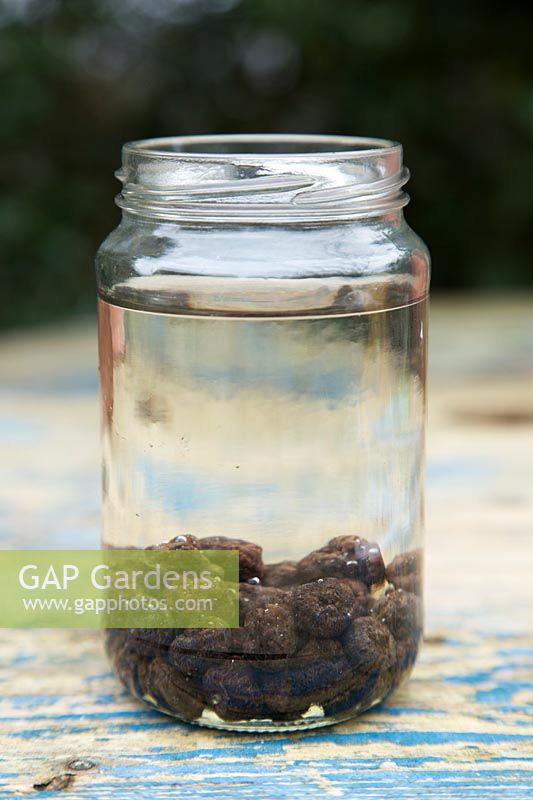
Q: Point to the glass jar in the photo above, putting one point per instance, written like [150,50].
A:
[262,318]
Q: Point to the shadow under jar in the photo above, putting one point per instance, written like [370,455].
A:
[262,319]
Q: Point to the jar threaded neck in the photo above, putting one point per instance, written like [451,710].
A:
[262,178]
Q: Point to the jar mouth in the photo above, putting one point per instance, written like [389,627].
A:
[272,145]
[257,178]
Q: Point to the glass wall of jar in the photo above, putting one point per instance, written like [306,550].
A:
[262,318]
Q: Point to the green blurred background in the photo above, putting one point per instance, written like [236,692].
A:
[452,81]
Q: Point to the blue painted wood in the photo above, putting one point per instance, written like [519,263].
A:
[462,727]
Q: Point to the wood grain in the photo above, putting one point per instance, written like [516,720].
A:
[462,726]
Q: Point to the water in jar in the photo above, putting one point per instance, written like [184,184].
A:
[301,434]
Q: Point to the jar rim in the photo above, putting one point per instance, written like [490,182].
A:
[299,146]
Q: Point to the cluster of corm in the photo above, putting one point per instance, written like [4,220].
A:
[328,635]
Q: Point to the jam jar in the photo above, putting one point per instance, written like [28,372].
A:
[262,327]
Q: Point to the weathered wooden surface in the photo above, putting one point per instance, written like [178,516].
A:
[461,727]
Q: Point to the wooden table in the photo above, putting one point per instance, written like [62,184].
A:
[461,727]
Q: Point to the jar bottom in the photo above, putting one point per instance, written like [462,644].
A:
[268,726]
[314,717]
